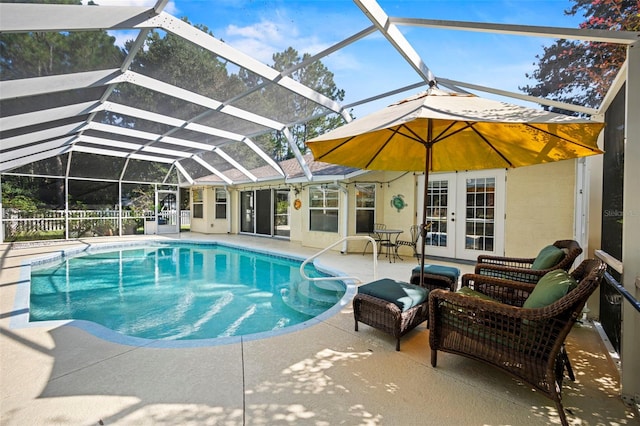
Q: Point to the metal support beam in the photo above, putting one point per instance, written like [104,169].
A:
[630,225]
[296,152]
[380,19]
[604,36]
[210,168]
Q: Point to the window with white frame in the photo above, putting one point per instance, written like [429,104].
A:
[221,203]
[365,207]
[323,208]
[198,209]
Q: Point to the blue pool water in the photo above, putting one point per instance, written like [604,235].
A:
[180,291]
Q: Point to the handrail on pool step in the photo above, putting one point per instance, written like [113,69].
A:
[352,237]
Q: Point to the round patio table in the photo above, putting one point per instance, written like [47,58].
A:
[388,242]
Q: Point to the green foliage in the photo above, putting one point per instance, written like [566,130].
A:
[582,72]
[178,62]
[38,54]
[22,202]
[20,192]
[317,77]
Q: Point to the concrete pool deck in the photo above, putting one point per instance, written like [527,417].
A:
[325,374]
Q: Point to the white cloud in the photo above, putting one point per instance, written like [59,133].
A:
[123,36]
[260,40]
[269,31]
[268,36]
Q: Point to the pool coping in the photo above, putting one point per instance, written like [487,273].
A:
[22,297]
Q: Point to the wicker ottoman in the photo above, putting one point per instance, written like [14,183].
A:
[394,307]
[436,276]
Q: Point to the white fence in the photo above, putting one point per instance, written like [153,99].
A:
[24,225]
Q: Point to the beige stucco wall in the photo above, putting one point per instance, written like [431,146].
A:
[208,224]
[403,184]
[539,207]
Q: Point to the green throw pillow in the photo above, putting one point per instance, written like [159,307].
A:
[551,288]
[548,258]
[404,295]
[473,293]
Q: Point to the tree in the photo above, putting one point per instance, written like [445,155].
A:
[581,72]
[176,61]
[296,110]
[38,54]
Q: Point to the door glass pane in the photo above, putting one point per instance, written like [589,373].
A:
[480,220]
[168,209]
[281,209]
[365,207]
[263,211]
[437,211]
[246,211]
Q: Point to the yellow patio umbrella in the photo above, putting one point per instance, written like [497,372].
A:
[437,131]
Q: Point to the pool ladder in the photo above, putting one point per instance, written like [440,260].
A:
[312,296]
[342,240]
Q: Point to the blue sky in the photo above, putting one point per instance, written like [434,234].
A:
[263,27]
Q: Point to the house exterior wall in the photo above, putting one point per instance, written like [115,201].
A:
[404,185]
[540,203]
[208,224]
[539,209]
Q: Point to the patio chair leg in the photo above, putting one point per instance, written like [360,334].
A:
[567,364]
[365,248]
[398,344]
[562,414]
[434,357]
[356,325]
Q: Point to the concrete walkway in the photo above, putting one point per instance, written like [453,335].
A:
[326,374]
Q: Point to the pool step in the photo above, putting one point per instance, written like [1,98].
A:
[329,286]
[312,299]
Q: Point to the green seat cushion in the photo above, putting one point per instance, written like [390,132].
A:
[548,258]
[473,293]
[404,295]
[445,271]
[551,288]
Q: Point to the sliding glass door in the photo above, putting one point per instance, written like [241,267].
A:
[265,212]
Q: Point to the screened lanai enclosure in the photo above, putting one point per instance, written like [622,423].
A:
[106,144]
[98,139]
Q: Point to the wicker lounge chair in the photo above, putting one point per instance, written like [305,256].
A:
[530,269]
[527,343]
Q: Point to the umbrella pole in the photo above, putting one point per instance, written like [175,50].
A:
[424,216]
[425,202]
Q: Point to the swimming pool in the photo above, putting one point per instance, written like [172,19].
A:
[181,292]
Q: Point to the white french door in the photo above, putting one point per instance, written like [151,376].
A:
[465,213]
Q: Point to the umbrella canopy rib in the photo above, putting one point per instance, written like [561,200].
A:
[411,135]
[562,138]
[382,147]
[444,135]
[497,151]
[335,148]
